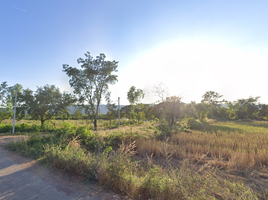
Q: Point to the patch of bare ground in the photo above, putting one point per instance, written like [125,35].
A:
[4,140]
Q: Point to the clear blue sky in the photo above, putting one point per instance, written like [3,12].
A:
[191,46]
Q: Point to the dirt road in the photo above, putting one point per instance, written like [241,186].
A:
[23,179]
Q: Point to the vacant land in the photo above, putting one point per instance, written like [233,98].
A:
[219,160]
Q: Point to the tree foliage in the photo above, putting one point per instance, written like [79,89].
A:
[112,112]
[247,108]
[7,99]
[91,82]
[213,100]
[134,97]
[170,108]
[45,102]
[5,103]
[263,111]
[77,113]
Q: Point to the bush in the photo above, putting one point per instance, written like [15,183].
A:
[68,128]
[6,128]
[23,127]
[165,130]
[84,134]
[35,128]
[195,125]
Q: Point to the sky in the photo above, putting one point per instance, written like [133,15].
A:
[191,46]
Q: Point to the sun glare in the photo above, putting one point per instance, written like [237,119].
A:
[190,68]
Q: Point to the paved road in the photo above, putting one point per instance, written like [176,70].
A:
[23,179]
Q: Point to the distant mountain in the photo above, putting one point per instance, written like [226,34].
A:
[102,109]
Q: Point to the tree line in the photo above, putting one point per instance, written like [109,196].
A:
[90,86]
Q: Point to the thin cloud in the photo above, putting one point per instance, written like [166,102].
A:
[20,9]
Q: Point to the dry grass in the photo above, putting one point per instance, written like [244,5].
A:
[246,146]
[238,149]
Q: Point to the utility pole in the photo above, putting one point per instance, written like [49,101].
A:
[14,115]
[118,111]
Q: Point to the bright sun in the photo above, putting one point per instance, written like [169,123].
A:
[189,68]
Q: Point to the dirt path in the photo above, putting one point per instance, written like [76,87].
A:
[22,178]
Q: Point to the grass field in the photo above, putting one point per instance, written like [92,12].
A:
[218,160]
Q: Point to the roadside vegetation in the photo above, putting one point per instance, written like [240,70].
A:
[144,162]
[215,149]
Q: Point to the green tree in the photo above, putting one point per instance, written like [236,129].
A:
[5,102]
[213,100]
[190,110]
[231,110]
[247,108]
[64,113]
[112,112]
[46,102]
[148,111]
[7,99]
[77,113]
[202,110]
[134,96]
[263,111]
[169,109]
[91,82]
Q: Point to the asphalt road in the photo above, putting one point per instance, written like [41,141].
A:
[23,179]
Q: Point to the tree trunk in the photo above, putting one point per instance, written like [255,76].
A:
[212,113]
[96,117]
[95,124]
[42,123]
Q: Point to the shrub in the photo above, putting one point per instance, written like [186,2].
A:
[6,128]
[35,128]
[195,125]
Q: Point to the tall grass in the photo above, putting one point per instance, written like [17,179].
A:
[120,171]
[245,147]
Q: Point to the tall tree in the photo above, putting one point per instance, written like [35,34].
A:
[77,113]
[91,82]
[5,103]
[213,99]
[247,108]
[7,98]
[46,102]
[191,111]
[263,111]
[171,108]
[112,112]
[134,97]
[202,110]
